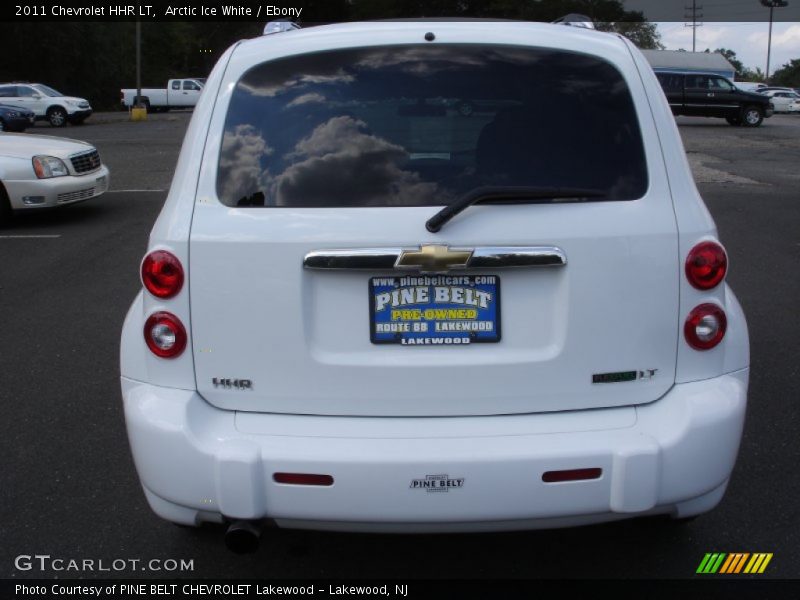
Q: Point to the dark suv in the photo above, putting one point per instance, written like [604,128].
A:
[709,95]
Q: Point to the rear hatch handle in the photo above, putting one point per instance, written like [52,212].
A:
[435,258]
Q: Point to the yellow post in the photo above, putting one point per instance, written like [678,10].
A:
[139,114]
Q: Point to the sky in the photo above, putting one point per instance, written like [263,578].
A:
[739,25]
[747,39]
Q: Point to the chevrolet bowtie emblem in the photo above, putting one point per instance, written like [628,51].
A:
[432,258]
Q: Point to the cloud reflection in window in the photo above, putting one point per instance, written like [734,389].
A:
[241,169]
[340,158]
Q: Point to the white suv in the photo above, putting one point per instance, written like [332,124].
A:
[46,103]
[319,340]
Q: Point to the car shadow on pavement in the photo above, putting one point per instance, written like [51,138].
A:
[37,221]
[607,550]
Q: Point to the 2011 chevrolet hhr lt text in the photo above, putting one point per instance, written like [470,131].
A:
[365,308]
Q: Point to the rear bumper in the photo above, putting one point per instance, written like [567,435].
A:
[199,463]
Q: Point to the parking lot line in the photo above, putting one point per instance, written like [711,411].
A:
[132,191]
[29,237]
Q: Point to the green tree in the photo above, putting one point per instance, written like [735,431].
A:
[742,73]
[608,15]
[788,75]
[606,11]
[731,56]
[643,34]
[756,75]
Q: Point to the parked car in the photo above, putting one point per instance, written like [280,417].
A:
[318,341]
[765,89]
[46,103]
[179,93]
[749,86]
[39,171]
[710,95]
[15,119]
[784,101]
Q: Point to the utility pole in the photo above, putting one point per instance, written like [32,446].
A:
[772,5]
[138,103]
[694,24]
[769,40]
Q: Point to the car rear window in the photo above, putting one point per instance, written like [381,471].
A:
[423,125]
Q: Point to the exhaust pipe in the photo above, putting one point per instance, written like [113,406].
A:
[242,537]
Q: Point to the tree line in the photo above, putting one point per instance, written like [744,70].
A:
[787,76]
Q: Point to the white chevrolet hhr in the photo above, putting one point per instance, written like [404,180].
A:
[365,309]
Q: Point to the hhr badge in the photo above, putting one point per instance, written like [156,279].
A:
[232,384]
[437,483]
[623,376]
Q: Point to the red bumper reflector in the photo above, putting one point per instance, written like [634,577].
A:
[571,475]
[302,479]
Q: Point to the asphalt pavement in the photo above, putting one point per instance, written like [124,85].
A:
[69,488]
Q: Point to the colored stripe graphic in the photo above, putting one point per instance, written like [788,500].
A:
[732,560]
[717,564]
[711,562]
[758,563]
[703,564]
[734,563]
[741,562]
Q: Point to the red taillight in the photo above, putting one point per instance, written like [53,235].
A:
[162,274]
[705,326]
[303,479]
[165,335]
[706,265]
[572,475]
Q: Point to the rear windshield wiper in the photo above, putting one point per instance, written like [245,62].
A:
[508,195]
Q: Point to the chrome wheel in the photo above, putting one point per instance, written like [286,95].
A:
[752,117]
[57,117]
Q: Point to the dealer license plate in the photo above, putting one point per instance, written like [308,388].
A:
[434,310]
